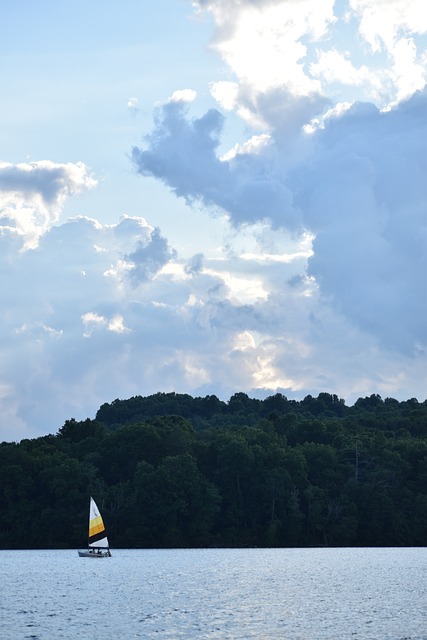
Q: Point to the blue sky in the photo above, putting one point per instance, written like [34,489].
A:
[210,197]
[68,72]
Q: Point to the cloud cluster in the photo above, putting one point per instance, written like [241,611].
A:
[298,45]
[350,173]
[120,316]
[65,337]
[32,195]
[359,187]
[319,281]
[125,316]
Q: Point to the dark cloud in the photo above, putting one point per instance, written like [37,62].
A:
[182,153]
[149,257]
[195,264]
[175,142]
[45,179]
[364,194]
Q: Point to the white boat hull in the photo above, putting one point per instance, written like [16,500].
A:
[94,553]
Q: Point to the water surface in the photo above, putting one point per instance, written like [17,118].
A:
[233,594]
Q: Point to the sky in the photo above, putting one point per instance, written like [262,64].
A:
[210,197]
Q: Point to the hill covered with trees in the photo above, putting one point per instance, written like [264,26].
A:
[170,470]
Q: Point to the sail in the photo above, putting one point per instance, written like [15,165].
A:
[97,533]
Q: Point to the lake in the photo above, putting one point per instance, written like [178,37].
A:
[265,594]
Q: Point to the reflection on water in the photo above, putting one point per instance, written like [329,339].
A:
[233,594]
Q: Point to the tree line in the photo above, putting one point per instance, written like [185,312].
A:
[170,470]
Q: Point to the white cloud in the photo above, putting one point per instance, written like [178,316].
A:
[334,66]
[92,321]
[408,73]
[392,26]
[381,21]
[132,104]
[116,324]
[261,42]
[225,93]
[274,45]
[254,145]
[183,95]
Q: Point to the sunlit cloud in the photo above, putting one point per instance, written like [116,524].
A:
[33,194]
[183,95]
[298,47]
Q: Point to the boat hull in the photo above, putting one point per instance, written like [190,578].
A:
[94,553]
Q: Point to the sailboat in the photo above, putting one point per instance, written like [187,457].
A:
[98,546]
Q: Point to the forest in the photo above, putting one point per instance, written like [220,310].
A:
[170,470]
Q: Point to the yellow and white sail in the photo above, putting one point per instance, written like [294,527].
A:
[97,534]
